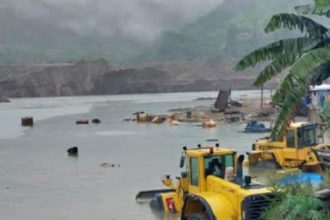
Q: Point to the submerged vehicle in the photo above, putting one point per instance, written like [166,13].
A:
[255,127]
[211,187]
[298,148]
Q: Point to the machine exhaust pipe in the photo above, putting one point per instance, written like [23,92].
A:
[239,172]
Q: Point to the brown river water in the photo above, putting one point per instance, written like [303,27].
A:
[39,181]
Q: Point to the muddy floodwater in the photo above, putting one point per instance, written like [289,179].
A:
[39,181]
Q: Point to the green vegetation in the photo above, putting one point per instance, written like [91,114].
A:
[295,202]
[307,58]
[229,31]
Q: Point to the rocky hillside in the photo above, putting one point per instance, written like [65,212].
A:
[98,77]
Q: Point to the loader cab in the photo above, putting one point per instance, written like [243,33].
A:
[300,135]
[300,138]
[202,162]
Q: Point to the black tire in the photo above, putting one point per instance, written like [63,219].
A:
[197,216]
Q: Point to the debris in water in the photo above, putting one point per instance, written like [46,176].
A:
[212,140]
[82,121]
[27,121]
[96,121]
[209,124]
[73,151]
[106,164]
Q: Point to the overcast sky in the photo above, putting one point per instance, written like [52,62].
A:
[142,19]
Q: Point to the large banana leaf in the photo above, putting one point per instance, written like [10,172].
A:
[292,21]
[320,7]
[288,109]
[275,50]
[301,75]
[322,2]
[314,9]
[325,116]
[305,65]
[308,57]
[275,67]
[320,74]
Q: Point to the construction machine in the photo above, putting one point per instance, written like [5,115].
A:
[298,147]
[211,187]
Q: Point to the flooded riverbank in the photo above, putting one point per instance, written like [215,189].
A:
[39,181]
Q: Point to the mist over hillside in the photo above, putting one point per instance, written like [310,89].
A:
[231,30]
[125,32]
[57,31]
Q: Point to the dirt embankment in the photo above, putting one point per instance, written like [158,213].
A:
[99,77]
[250,109]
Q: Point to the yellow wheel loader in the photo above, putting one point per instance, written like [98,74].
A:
[298,148]
[211,187]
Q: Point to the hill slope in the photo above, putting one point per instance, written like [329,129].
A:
[230,30]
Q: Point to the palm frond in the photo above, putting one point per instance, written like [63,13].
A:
[301,69]
[314,9]
[293,46]
[325,117]
[274,68]
[321,74]
[288,108]
[293,21]
[303,73]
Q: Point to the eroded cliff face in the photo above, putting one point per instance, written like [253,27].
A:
[52,80]
[98,77]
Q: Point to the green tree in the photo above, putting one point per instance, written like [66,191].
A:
[306,58]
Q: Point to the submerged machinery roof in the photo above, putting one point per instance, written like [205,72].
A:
[206,150]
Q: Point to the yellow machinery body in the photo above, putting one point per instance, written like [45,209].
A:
[297,149]
[199,194]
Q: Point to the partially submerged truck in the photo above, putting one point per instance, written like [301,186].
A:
[205,192]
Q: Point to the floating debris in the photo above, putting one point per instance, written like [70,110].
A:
[209,124]
[159,119]
[73,151]
[82,121]
[27,121]
[175,122]
[204,98]
[233,116]
[144,117]
[96,121]
[212,140]
[106,164]
[129,119]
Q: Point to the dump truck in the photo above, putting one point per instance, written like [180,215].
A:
[299,147]
[211,187]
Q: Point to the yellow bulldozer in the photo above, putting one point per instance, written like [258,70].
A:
[211,187]
[299,147]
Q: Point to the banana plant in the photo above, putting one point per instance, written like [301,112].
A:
[325,117]
[306,59]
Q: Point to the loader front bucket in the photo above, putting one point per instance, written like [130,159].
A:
[323,155]
[314,168]
[145,195]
